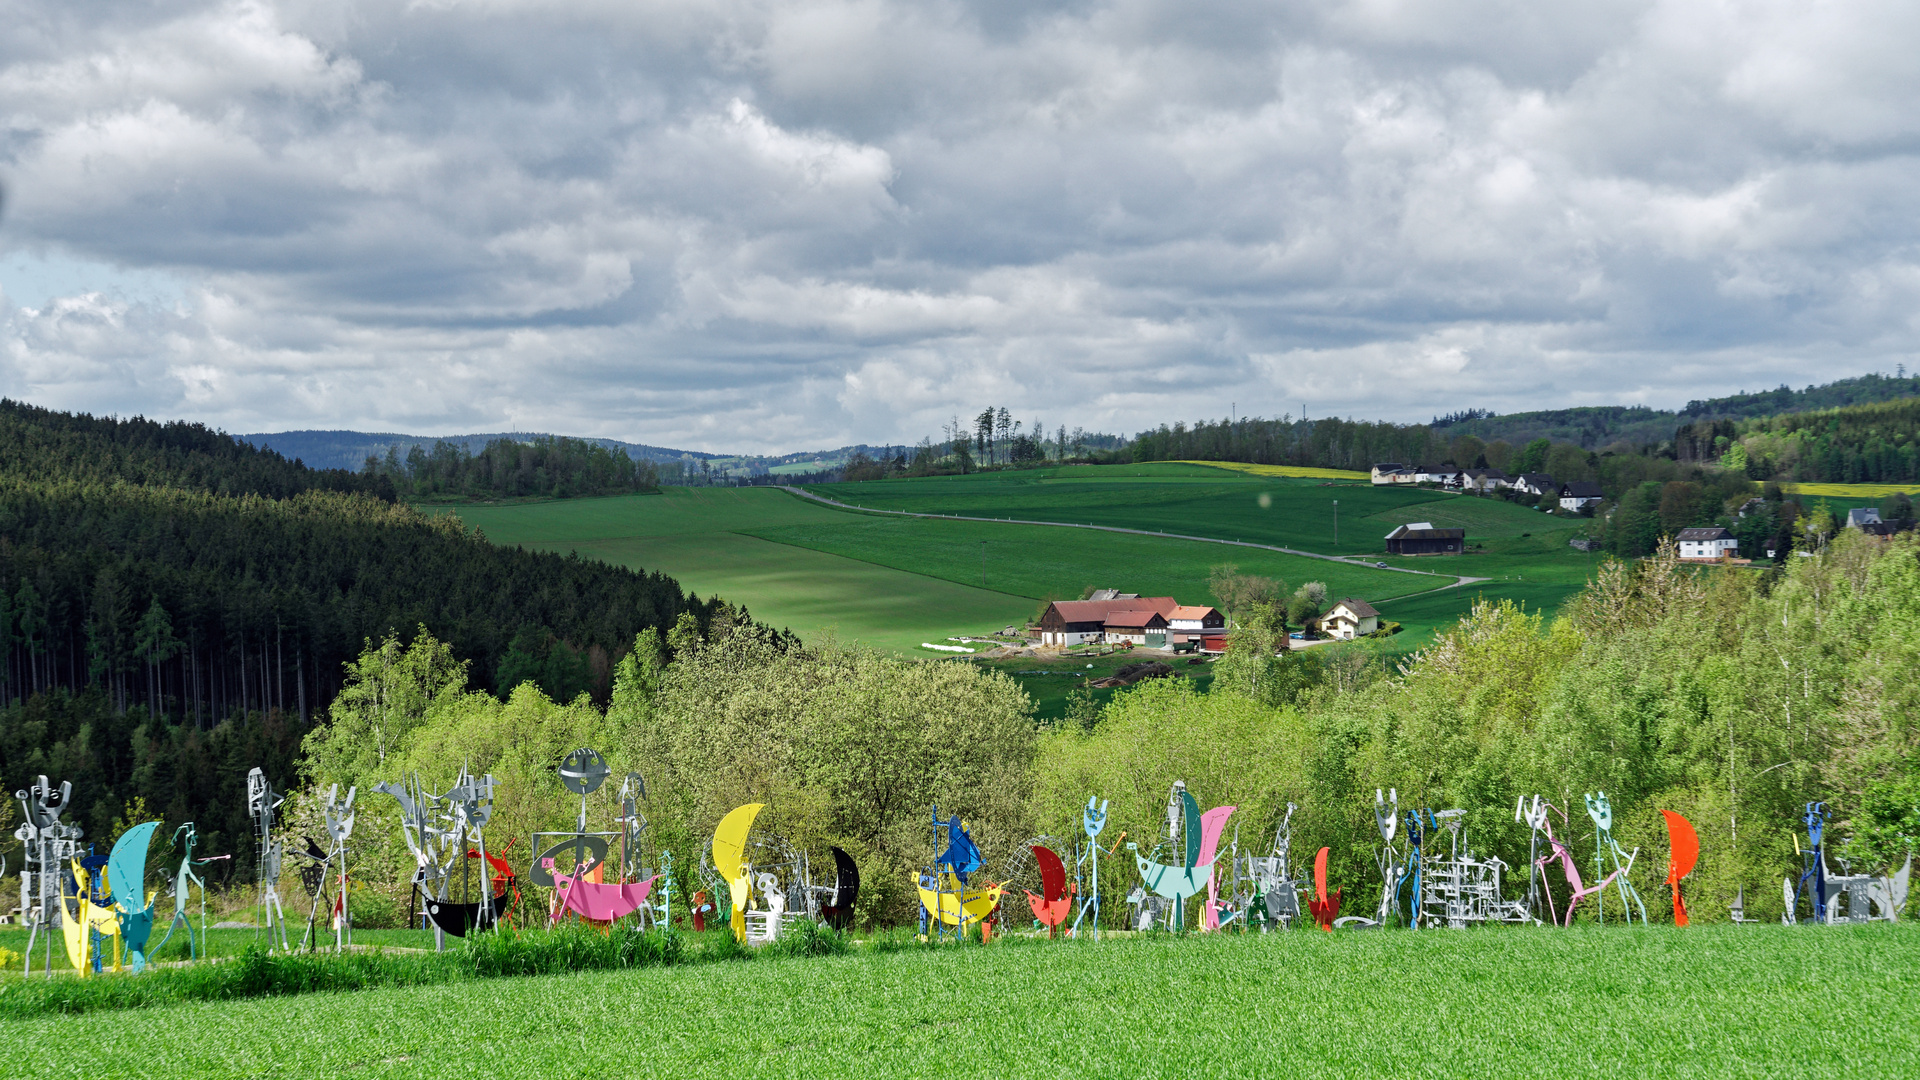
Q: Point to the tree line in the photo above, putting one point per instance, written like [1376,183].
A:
[154,634]
[547,466]
[1731,697]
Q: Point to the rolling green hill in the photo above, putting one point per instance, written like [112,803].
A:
[887,581]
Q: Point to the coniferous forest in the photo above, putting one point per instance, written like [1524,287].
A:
[177,607]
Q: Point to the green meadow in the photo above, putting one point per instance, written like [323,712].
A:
[1511,1002]
[886,581]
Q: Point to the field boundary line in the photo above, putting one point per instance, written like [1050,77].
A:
[1341,559]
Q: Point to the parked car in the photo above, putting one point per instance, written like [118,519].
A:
[1298,635]
[1381,565]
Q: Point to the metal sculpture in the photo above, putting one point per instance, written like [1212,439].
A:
[1601,811]
[1859,894]
[1322,907]
[87,918]
[262,801]
[126,874]
[185,839]
[1558,849]
[434,846]
[1414,873]
[1539,899]
[50,845]
[1037,865]
[730,861]
[1686,852]
[1264,884]
[837,900]
[1192,838]
[1092,821]
[1813,880]
[1459,889]
[338,816]
[947,898]
[658,909]
[578,891]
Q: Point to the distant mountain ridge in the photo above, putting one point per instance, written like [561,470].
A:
[350,449]
[1593,427]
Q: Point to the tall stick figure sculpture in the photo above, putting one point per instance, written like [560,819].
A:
[339,818]
[50,845]
[1601,811]
[1092,821]
[262,801]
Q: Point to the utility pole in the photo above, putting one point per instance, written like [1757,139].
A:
[1336,524]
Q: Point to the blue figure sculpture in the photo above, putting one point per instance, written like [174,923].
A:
[1813,881]
[1412,874]
[1092,821]
[961,856]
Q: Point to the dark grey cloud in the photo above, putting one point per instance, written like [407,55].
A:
[763,225]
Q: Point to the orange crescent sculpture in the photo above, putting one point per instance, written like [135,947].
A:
[1686,852]
[1323,908]
[1050,909]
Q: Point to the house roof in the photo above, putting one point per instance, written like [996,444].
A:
[1130,619]
[1196,612]
[1714,533]
[1423,530]
[1538,479]
[1581,489]
[1096,611]
[1388,466]
[1357,606]
[1863,515]
[1486,474]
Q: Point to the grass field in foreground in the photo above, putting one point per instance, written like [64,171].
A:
[1522,1002]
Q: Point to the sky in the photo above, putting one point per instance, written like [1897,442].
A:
[765,226]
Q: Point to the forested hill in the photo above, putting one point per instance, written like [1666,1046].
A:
[1597,426]
[160,634]
[39,444]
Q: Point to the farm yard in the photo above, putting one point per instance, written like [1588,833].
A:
[1521,1002]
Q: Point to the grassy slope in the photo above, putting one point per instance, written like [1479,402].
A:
[695,536]
[1706,1001]
[1526,556]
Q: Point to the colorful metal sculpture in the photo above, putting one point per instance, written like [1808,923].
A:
[1414,873]
[1539,901]
[1264,888]
[262,801]
[126,874]
[1324,909]
[87,919]
[185,839]
[581,772]
[1601,811]
[948,900]
[658,911]
[1864,897]
[837,900]
[1091,821]
[1686,852]
[1193,838]
[1052,904]
[730,861]
[1568,865]
[50,846]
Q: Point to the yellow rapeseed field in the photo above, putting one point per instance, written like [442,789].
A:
[1296,471]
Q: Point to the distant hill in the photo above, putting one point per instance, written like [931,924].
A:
[350,449]
[1596,426]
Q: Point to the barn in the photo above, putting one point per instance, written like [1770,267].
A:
[1421,538]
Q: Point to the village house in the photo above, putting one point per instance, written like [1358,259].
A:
[1190,623]
[1483,480]
[1384,472]
[1579,495]
[1066,623]
[1421,538]
[1706,545]
[1534,483]
[1348,619]
[1147,628]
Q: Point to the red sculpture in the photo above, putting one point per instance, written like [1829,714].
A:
[1686,852]
[1323,909]
[1052,908]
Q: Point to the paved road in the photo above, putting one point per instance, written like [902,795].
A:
[1145,532]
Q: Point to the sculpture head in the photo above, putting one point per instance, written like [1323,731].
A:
[1386,814]
[1094,819]
[1601,811]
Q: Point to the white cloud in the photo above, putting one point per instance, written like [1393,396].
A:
[759,224]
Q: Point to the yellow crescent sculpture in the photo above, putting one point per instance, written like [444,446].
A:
[730,859]
[82,915]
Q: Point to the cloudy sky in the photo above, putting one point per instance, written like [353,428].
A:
[761,225]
